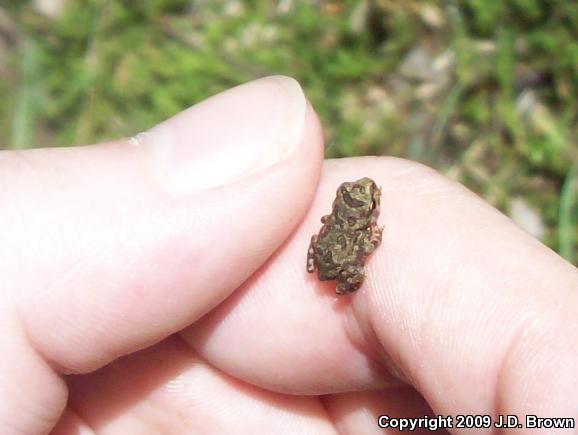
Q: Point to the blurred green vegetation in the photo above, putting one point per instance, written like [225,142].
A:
[485,91]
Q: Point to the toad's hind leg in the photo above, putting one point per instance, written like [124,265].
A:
[311,254]
[350,279]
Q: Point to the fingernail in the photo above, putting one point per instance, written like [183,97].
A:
[228,136]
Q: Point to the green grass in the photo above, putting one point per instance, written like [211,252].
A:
[568,236]
[485,91]
[23,121]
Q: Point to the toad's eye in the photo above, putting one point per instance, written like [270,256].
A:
[362,189]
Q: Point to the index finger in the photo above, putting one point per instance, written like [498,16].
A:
[458,301]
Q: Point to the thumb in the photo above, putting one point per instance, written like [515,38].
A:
[108,248]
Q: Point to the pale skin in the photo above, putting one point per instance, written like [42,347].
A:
[203,302]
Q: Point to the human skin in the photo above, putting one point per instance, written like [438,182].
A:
[155,285]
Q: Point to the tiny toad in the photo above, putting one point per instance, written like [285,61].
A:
[348,235]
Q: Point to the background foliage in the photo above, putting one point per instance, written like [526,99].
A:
[485,91]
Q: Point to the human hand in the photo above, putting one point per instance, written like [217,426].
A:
[165,243]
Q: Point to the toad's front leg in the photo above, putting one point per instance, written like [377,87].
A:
[311,254]
[373,240]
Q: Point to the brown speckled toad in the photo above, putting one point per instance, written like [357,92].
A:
[348,235]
